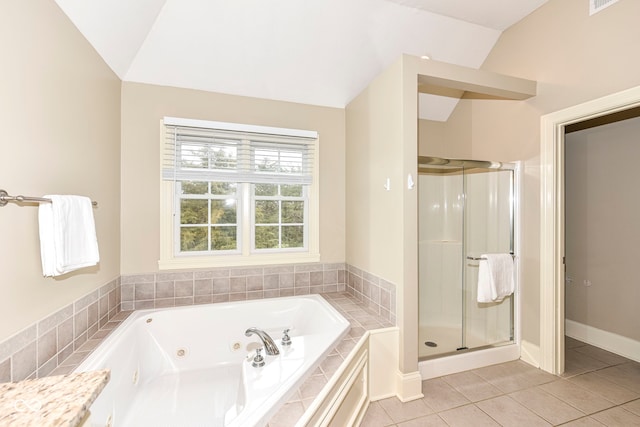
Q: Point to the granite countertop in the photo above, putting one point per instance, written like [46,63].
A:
[61,400]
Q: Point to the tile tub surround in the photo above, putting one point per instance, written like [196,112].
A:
[360,317]
[39,349]
[54,401]
[170,289]
[374,292]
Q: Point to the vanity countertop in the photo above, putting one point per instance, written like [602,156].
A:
[61,400]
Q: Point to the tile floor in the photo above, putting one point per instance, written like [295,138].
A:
[599,388]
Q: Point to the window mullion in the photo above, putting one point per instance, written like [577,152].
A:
[279,219]
[209,225]
[246,228]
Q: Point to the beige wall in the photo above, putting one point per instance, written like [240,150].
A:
[143,107]
[574,58]
[382,224]
[374,154]
[602,233]
[450,139]
[60,116]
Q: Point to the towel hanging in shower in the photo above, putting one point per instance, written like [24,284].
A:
[495,277]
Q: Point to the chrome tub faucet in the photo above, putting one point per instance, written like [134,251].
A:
[270,346]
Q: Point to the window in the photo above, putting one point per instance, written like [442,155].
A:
[237,195]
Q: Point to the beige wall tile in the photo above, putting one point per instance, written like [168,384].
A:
[23,362]
[184,288]
[5,371]
[47,346]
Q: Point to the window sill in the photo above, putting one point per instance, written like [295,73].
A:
[189,262]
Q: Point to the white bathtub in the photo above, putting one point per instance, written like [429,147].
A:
[189,366]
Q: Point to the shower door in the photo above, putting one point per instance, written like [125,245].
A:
[465,210]
[488,229]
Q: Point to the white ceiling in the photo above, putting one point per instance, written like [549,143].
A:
[319,52]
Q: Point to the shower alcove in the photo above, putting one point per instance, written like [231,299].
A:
[466,208]
[382,211]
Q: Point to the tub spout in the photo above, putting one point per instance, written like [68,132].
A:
[270,346]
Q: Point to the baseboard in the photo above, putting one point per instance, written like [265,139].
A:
[605,340]
[530,353]
[408,386]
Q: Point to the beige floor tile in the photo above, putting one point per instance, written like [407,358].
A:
[513,376]
[633,407]
[472,386]
[546,405]
[428,421]
[626,375]
[376,417]
[572,343]
[578,397]
[605,388]
[468,415]
[535,397]
[602,355]
[400,412]
[509,413]
[577,363]
[584,422]
[440,396]
[503,370]
[617,417]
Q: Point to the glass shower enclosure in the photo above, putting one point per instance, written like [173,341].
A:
[466,209]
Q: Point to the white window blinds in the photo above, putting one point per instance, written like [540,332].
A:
[214,151]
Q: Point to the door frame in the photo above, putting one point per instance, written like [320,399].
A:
[552,217]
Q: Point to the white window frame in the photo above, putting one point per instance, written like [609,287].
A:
[170,258]
[304,198]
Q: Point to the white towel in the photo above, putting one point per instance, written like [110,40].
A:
[495,277]
[67,235]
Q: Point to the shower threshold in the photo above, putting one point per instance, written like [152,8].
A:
[460,361]
[461,350]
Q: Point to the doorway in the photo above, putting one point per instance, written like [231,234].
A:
[552,224]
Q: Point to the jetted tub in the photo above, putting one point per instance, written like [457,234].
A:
[191,366]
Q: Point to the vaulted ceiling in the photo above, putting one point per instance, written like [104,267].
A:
[319,52]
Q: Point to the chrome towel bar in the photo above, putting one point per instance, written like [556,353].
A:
[6,198]
[471,258]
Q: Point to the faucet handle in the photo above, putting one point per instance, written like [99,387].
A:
[258,360]
[286,340]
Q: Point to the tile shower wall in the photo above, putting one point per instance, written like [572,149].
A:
[158,290]
[39,349]
[373,292]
